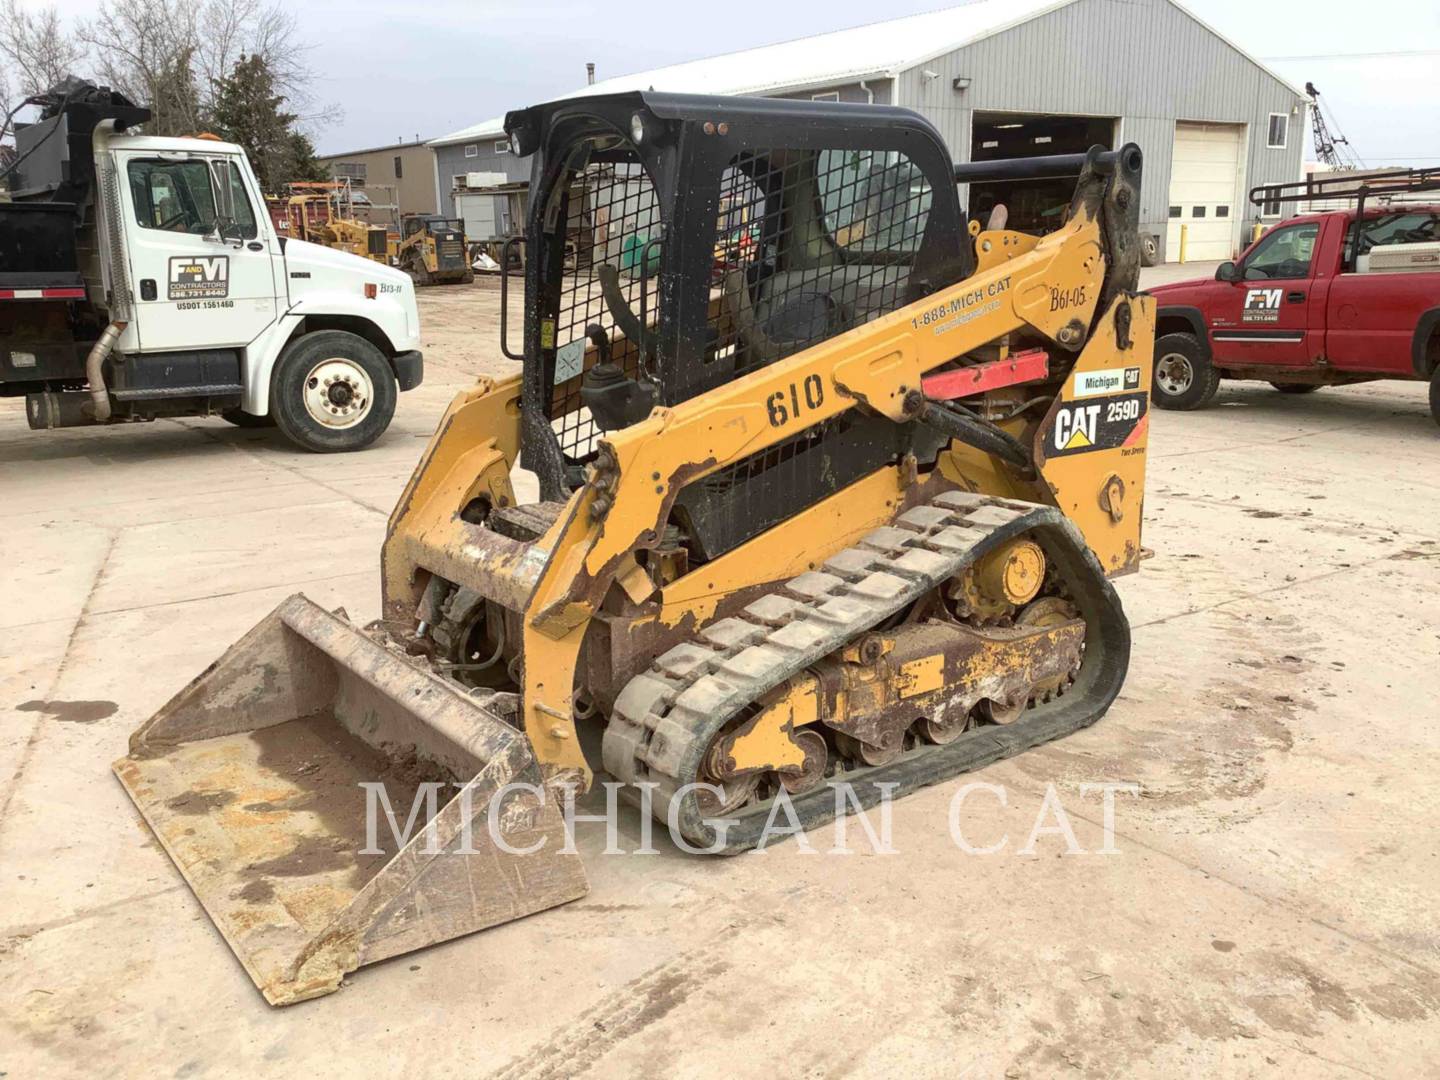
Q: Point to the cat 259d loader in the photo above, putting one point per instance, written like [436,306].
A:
[841,505]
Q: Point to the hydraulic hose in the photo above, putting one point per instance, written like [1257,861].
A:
[95,369]
[972,431]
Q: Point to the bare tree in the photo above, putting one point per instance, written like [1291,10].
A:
[146,50]
[35,50]
[171,55]
[230,29]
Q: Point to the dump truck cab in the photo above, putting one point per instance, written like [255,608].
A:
[180,296]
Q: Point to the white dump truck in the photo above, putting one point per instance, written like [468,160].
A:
[141,277]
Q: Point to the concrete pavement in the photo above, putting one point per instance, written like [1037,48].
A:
[1271,908]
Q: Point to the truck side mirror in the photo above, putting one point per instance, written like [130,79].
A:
[224,231]
[1227,271]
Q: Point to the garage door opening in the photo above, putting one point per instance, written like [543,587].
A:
[1034,206]
[1205,190]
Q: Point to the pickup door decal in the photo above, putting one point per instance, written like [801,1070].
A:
[1262,306]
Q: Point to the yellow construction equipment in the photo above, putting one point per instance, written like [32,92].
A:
[841,505]
[323,212]
[431,248]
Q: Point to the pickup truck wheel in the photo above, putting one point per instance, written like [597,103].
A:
[332,391]
[1184,377]
[1296,387]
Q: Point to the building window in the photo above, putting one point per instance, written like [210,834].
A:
[399,172]
[1197,211]
[1279,130]
[1270,208]
[1222,211]
[1174,211]
[502,146]
[829,95]
[355,170]
[471,150]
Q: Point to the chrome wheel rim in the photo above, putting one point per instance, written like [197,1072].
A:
[1173,374]
[338,393]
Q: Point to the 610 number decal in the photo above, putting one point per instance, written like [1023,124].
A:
[786,405]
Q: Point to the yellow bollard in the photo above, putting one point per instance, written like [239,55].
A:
[1255,232]
[1184,235]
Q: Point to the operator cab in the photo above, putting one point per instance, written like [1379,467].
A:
[678,242]
[442,228]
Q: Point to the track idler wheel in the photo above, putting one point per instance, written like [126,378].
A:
[1049,611]
[812,772]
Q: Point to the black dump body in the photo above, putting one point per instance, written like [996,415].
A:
[731,233]
[37,246]
[45,231]
[54,160]
[52,185]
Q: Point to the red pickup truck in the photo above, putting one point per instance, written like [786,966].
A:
[1307,306]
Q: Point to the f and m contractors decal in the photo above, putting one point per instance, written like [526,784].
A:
[205,278]
[1108,381]
[1261,306]
[1104,424]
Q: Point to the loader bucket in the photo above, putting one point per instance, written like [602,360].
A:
[251,779]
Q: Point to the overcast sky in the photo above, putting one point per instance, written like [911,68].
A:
[428,68]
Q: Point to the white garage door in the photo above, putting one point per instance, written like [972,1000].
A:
[1204,190]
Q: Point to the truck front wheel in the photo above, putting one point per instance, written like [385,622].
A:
[1435,394]
[1184,377]
[332,391]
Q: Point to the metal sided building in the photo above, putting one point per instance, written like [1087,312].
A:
[398,174]
[1012,78]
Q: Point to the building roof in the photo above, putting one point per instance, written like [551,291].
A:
[373,150]
[879,50]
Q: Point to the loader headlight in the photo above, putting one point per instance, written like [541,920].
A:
[637,129]
[515,143]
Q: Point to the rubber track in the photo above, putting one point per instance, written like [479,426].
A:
[666,718]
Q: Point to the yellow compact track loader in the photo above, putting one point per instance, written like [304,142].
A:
[432,250]
[831,484]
